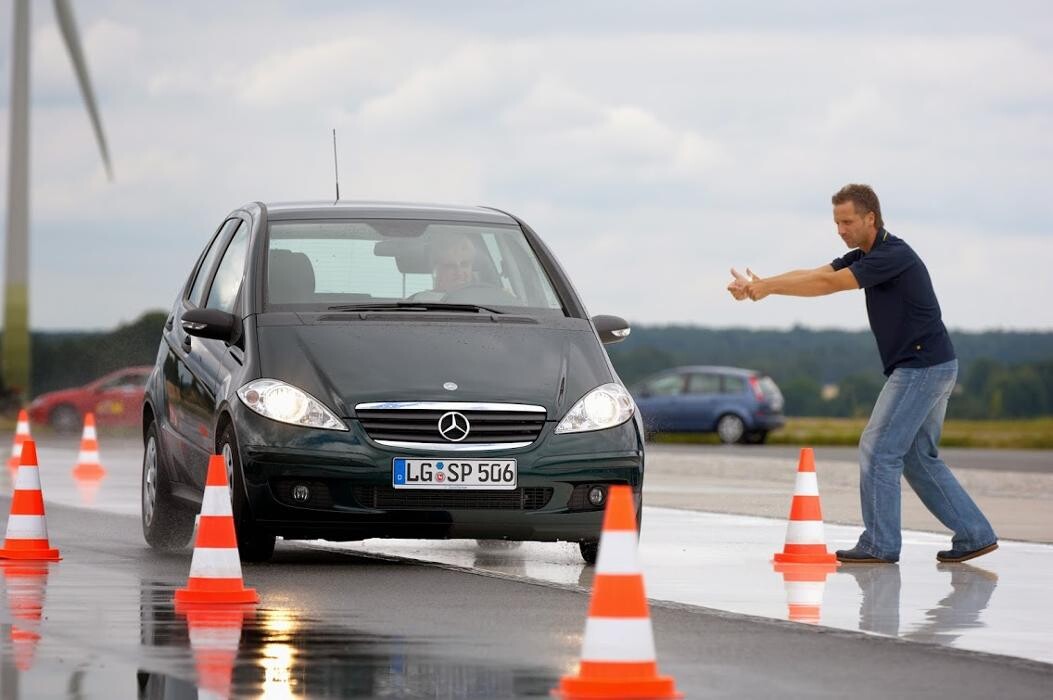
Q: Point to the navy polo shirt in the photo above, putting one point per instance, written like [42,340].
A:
[902,306]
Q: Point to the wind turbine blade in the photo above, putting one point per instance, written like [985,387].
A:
[64,13]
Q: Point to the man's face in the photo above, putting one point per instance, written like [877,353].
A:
[453,268]
[855,230]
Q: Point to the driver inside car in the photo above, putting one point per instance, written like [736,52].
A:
[452,265]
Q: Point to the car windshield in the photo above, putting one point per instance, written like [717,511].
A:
[324,265]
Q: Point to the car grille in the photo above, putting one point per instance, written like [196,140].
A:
[386,497]
[422,425]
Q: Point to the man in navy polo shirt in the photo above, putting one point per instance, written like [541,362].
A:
[903,433]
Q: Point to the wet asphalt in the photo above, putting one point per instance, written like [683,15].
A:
[334,624]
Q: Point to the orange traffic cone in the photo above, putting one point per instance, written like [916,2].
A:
[27,529]
[21,435]
[805,539]
[215,570]
[618,655]
[805,585]
[88,465]
[25,582]
[215,633]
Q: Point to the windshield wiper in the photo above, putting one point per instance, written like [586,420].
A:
[414,306]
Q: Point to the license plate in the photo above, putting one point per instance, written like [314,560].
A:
[492,474]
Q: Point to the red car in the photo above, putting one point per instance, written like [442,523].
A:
[115,399]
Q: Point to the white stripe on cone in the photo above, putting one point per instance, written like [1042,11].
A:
[618,639]
[617,553]
[805,592]
[805,532]
[212,562]
[27,478]
[216,501]
[26,527]
[88,458]
[807,484]
[204,637]
[89,433]
[22,428]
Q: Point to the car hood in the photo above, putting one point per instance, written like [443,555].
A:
[550,363]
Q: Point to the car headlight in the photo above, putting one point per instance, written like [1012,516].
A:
[604,407]
[284,402]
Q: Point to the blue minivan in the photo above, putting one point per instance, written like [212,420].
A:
[740,405]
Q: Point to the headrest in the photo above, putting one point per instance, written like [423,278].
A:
[411,255]
[290,277]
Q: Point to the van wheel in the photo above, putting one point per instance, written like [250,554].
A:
[167,523]
[589,550]
[253,544]
[730,428]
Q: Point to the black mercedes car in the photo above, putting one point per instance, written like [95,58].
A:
[385,370]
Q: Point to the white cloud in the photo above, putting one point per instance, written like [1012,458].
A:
[651,150]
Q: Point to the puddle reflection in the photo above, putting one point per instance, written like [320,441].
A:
[959,611]
[277,653]
[25,583]
[805,586]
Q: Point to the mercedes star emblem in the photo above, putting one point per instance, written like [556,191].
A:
[454,426]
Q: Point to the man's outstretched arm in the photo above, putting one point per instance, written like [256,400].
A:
[803,283]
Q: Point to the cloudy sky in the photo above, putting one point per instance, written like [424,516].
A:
[652,145]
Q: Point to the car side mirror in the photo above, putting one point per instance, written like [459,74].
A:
[211,323]
[611,329]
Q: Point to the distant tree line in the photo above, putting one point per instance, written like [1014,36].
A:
[1002,374]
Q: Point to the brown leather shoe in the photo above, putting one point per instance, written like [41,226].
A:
[954,556]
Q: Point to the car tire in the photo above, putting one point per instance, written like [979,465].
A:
[730,429]
[253,544]
[65,418]
[589,549]
[756,437]
[167,522]
[497,545]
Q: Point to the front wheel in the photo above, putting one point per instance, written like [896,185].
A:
[253,545]
[589,551]
[730,428]
[167,524]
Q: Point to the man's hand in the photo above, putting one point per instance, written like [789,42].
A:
[738,285]
[756,289]
[752,286]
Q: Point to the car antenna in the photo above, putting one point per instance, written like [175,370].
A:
[336,168]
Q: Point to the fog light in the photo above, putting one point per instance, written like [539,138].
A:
[597,495]
[301,493]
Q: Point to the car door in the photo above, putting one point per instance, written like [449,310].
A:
[119,399]
[211,360]
[182,388]
[657,401]
[700,399]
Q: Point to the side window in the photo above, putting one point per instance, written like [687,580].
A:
[703,384]
[734,384]
[666,385]
[201,275]
[230,272]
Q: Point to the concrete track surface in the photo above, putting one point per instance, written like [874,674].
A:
[453,619]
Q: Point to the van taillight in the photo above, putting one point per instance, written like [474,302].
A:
[757,391]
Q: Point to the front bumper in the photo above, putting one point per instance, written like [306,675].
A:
[349,477]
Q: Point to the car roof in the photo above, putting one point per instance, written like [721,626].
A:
[278,211]
[715,369]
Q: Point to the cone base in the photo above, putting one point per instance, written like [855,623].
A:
[30,554]
[89,471]
[783,558]
[245,595]
[811,568]
[578,688]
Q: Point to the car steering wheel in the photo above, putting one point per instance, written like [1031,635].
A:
[480,293]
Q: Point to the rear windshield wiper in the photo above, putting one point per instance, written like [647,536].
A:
[414,306]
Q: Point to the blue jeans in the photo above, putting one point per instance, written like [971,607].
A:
[902,437]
